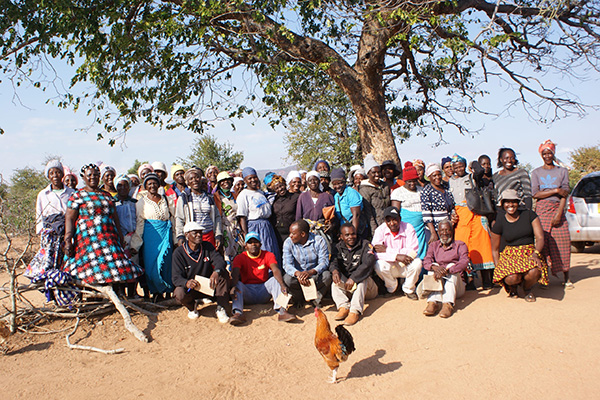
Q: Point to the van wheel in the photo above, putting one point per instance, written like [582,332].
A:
[577,247]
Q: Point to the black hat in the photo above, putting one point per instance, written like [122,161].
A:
[391,211]
[390,163]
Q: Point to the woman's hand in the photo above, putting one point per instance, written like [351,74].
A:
[536,259]
[562,192]
[556,219]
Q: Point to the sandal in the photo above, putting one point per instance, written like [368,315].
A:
[530,298]
[513,291]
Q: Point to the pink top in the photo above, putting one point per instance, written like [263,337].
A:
[404,242]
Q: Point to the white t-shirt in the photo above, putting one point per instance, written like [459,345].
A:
[253,204]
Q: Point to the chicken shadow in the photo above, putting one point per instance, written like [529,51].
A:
[372,366]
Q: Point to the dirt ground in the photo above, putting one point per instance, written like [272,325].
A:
[492,347]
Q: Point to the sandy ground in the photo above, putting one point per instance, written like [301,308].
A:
[492,347]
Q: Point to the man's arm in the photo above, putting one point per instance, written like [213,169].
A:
[367,264]
[178,275]
[288,258]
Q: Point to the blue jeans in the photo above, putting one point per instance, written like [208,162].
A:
[257,293]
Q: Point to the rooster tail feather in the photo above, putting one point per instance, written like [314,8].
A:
[345,338]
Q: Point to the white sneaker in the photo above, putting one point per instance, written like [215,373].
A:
[193,314]
[222,315]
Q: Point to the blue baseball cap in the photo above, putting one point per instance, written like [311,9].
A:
[252,235]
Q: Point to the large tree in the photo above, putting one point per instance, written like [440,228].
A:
[403,65]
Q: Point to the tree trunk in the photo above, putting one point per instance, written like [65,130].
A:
[13,298]
[373,122]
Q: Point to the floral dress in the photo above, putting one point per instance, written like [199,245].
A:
[99,257]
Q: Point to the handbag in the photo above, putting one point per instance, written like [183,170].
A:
[479,200]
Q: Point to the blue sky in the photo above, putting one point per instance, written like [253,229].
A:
[34,130]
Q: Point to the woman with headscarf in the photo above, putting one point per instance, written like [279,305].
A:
[512,177]
[160,169]
[70,179]
[107,174]
[50,210]
[254,211]
[126,210]
[358,176]
[448,170]
[227,206]
[420,167]
[154,229]
[471,228]
[178,186]
[311,203]
[521,261]
[294,181]
[93,239]
[238,186]
[199,206]
[550,187]
[211,174]
[143,170]
[407,199]
[284,207]
[437,203]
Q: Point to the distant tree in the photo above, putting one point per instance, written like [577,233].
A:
[326,130]
[585,159]
[136,165]
[22,193]
[207,151]
[527,167]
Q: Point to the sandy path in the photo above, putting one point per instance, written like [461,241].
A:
[492,347]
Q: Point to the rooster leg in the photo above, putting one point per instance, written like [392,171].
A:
[333,377]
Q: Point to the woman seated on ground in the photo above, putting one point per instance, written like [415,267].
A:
[520,262]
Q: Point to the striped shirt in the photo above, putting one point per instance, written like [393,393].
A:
[518,180]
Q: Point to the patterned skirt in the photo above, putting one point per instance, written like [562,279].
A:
[516,260]
[557,242]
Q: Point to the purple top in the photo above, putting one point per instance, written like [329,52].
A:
[305,207]
[456,253]
[548,179]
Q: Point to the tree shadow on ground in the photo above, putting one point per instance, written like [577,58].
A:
[372,366]
[30,347]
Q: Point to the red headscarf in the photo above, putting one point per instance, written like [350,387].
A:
[547,145]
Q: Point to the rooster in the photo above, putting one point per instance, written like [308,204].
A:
[334,349]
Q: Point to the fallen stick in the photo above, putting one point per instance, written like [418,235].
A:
[88,348]
[129,325]
[138,308]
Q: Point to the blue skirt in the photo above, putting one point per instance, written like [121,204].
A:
[267,236]
[416,220]
[158,251]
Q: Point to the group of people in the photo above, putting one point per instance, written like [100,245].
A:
[222,236]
